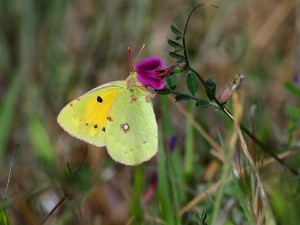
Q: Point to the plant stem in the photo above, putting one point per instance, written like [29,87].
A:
[244,129]
[221,106]
[225,174]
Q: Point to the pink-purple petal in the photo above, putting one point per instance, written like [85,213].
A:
[151,63]
[146,70]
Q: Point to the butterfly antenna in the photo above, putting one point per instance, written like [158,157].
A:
[129,59]
[142,48]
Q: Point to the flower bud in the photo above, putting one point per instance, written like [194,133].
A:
[231,87]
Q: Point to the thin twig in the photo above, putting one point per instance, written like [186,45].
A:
[186,25]
[65,198]
[9,173]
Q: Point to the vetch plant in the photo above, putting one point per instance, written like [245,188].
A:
[152,72]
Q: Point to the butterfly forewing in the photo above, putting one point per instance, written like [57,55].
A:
[85,117]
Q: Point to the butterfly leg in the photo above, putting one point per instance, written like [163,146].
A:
[149,97]
[128,80]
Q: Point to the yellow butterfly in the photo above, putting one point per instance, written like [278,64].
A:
[118,115]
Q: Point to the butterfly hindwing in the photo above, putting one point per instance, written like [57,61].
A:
[131,129]
[85,117]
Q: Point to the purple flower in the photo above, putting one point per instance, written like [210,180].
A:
[297,79]
[152,72]
[172,143]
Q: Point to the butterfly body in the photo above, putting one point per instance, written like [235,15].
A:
[118,115]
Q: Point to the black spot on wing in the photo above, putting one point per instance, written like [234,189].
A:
[95,126]
[99,99]
[103,129]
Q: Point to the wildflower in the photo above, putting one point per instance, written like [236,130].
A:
[172,143]
[152,72]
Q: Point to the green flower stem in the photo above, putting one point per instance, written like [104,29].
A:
[243,128]
[189,144]
[186,26]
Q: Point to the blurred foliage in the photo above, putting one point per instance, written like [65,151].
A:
[53,51]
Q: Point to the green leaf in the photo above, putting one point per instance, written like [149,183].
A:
[180,97]
[175,45]
[180,58]
[3,217]
[40,140]
[293,112]
[164,91]
[202,104]
[210,88]
[293,88]
[201,220]
[172,81]
[192,82]
[176,31]
[8,111]
[138,187]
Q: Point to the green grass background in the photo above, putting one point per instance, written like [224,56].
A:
[53,51]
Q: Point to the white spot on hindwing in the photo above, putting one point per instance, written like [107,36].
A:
[125,127]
